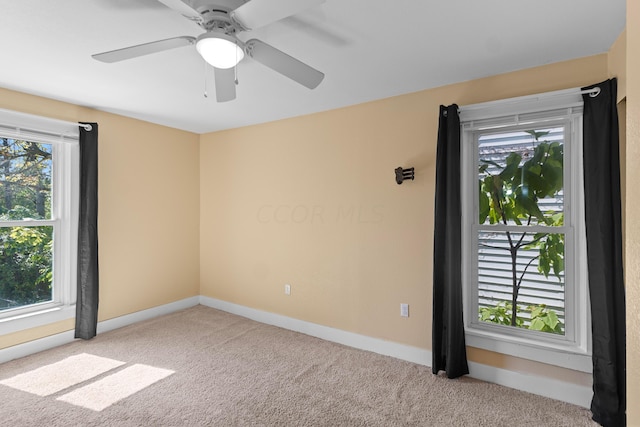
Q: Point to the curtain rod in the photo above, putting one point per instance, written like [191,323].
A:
[88,127]
[593,92]
[85,126]
[20,119]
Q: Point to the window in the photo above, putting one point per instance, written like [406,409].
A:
[38,220]
[523,218]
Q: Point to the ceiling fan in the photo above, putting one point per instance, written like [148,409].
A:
[219,45]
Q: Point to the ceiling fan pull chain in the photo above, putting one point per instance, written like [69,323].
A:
[206,95]
[235,68]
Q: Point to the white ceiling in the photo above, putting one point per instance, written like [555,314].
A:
[368,49]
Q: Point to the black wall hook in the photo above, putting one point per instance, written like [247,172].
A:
[403,174]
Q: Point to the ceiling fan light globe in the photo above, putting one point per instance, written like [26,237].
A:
[219,50]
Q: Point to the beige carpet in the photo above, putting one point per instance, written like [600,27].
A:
[206,367]
[52,378]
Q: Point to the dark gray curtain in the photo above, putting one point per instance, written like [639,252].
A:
[604,254]
[448,345]
[87,295]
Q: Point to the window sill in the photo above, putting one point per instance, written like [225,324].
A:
[34,319]
[562,355]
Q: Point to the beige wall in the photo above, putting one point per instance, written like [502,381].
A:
[148,211]
[312,201]
[617,63]
[632,233]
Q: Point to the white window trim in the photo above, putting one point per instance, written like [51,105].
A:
[65,192]
[574,355]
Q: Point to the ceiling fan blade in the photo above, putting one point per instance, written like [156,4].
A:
[225,84]
[257,13]
[143,49]
[283,63]
[183,8]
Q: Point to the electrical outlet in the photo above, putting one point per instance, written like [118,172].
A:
[404,310]
[287,289]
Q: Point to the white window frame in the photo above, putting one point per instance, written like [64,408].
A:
[574,349]
[63,137]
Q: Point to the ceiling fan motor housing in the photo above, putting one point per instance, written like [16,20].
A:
[217,15]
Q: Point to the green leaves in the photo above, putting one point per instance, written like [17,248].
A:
[551,254]
[509,171]
[25,179]
[536,318]
[542,174]
[514,186]
[484,206]
[26,253]
[526,206]
[501,314]
[537,134]
[544,319]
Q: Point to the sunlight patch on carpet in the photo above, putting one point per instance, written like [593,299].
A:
[50,379]
[109,390]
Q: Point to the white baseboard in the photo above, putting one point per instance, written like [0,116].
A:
[139,316]
[543,386]
[36,346]
[31,347]
[363,342]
